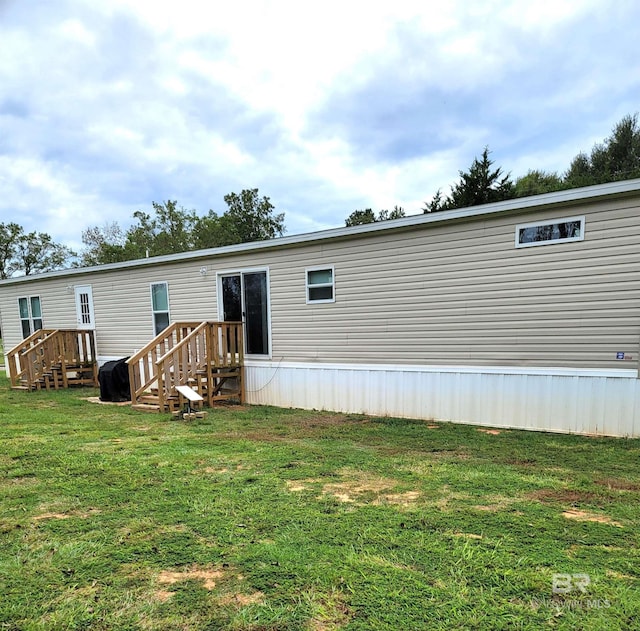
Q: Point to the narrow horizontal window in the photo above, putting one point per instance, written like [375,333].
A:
[546,232]
[320,284]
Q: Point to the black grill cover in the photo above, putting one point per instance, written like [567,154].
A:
[114,381]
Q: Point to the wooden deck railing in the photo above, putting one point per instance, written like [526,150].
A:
[50,353]
[143,373]
[181,354]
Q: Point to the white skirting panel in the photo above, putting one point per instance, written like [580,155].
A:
[554,399]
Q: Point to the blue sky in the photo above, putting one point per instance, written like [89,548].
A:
[325,107]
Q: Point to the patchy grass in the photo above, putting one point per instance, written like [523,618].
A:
[265,519]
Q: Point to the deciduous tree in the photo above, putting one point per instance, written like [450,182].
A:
[617,158]
[360,217]
[536,182]
[10,233]
[36,252]
[171,229]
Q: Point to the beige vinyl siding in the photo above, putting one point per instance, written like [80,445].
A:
[447,293]
[462,294]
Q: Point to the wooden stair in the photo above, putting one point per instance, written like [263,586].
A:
[53,359]
[205,356]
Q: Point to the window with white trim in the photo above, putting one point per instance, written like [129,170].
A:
[546,232]
[30,314]
[160,306]
[320,284]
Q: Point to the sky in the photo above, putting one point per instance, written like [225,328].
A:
[325,107]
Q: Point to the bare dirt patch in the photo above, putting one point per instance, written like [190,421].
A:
[53,515]
[356,485]
[493,432]
[406,499]
[163,595]
[207,576]
[581,515]
[296,486]
[20,480]
[98,400]
[467,535]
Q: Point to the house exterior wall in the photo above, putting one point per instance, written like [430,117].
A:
[452,298]
[463,294]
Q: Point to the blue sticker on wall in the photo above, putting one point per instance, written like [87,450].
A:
[619,355]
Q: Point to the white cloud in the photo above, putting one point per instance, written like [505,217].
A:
[326,107]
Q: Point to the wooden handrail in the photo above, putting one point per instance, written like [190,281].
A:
[14,365]
[181,364]
[179,355]
[198,329]
[45,349]
[142,364]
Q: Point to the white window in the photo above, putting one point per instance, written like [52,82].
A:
[160,306]
[30,315]
[546,232]
[320,284]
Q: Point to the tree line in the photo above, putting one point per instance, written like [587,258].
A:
[170,229]
[616,158]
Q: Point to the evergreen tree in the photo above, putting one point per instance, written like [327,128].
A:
[481,184]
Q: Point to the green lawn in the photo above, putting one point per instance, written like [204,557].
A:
[260,518]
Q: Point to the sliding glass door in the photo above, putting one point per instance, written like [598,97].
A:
[244,297]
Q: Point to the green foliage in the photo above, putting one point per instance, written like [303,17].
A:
[103,244]
[172,229]
[250,218]
[481,184]
[537,182]
[617,158]
[29,253]
[9,236]
[114,519]
[360,217]
[169,231]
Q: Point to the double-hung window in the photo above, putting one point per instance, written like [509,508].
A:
[160,306]
[320,284]
[30,315]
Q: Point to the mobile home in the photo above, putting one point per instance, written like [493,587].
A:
[523,313]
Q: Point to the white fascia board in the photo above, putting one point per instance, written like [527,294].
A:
[558,198]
